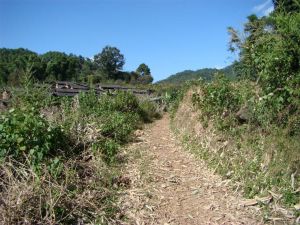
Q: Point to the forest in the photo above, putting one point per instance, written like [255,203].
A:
[206,74]
[52,66]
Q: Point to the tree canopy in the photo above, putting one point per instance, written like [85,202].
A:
[270,51]
[53,65]
[144,74]
[143,69]
[206,74]
[287,6]
[110,61]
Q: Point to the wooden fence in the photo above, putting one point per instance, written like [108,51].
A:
[72,89]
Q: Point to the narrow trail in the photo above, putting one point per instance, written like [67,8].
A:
[170,186]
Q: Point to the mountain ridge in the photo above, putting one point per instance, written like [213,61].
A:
[204,73]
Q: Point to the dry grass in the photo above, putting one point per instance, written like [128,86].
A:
[81,194]
[79,182]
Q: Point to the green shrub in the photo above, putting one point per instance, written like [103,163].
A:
[173,97]
[26,136]
[57,158]
[270,55]
[114,117]
[125,102]
[118,125]
[218,99]
[88,103]
[149,111]
[109,149]
[121,101]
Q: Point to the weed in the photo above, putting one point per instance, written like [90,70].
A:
[61,155]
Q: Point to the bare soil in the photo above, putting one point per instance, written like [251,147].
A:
[170,186]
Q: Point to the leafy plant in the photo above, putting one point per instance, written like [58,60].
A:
[28,137]
[118,125]
[149,111]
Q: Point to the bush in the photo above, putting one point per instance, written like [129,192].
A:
[107,117]
[60,154]
[26,136]
[118,126]
[125,102]
[109,149]
[218,100]
[271,52]
[149,111]
[173,97]
[64,162]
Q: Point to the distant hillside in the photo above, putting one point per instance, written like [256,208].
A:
[206,74]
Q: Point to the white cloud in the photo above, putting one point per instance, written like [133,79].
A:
[219,67]
[264,8]
[267,11]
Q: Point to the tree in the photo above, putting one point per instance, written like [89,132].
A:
[56,65]
[61,66]
[146,79]
[144,74]
[143,70]
[37,67]
[287,6]
[270,54]
[110,61]
[245,45]
[14,61]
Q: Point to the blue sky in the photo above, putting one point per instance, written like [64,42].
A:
[168,35]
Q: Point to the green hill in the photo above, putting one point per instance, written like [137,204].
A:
[206,74]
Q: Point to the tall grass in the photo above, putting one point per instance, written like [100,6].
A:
[259,153]
[58,156]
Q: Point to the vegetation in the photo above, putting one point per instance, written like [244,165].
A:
[206,74]
[258,113]
[286,6]
[27,137]
[105,67]
[109,61]
[63,154]
[144,74]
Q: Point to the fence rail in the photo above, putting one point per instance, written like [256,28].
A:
[72,89]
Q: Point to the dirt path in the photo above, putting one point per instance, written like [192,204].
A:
[169,186]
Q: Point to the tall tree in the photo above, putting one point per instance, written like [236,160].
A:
[287,6]
[144,74]
[13,63]
[270,51]
[143,69]
[110,61]
[57,65]
[254,29]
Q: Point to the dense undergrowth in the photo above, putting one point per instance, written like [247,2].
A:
[60,157]
[250,127]
[257,155]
